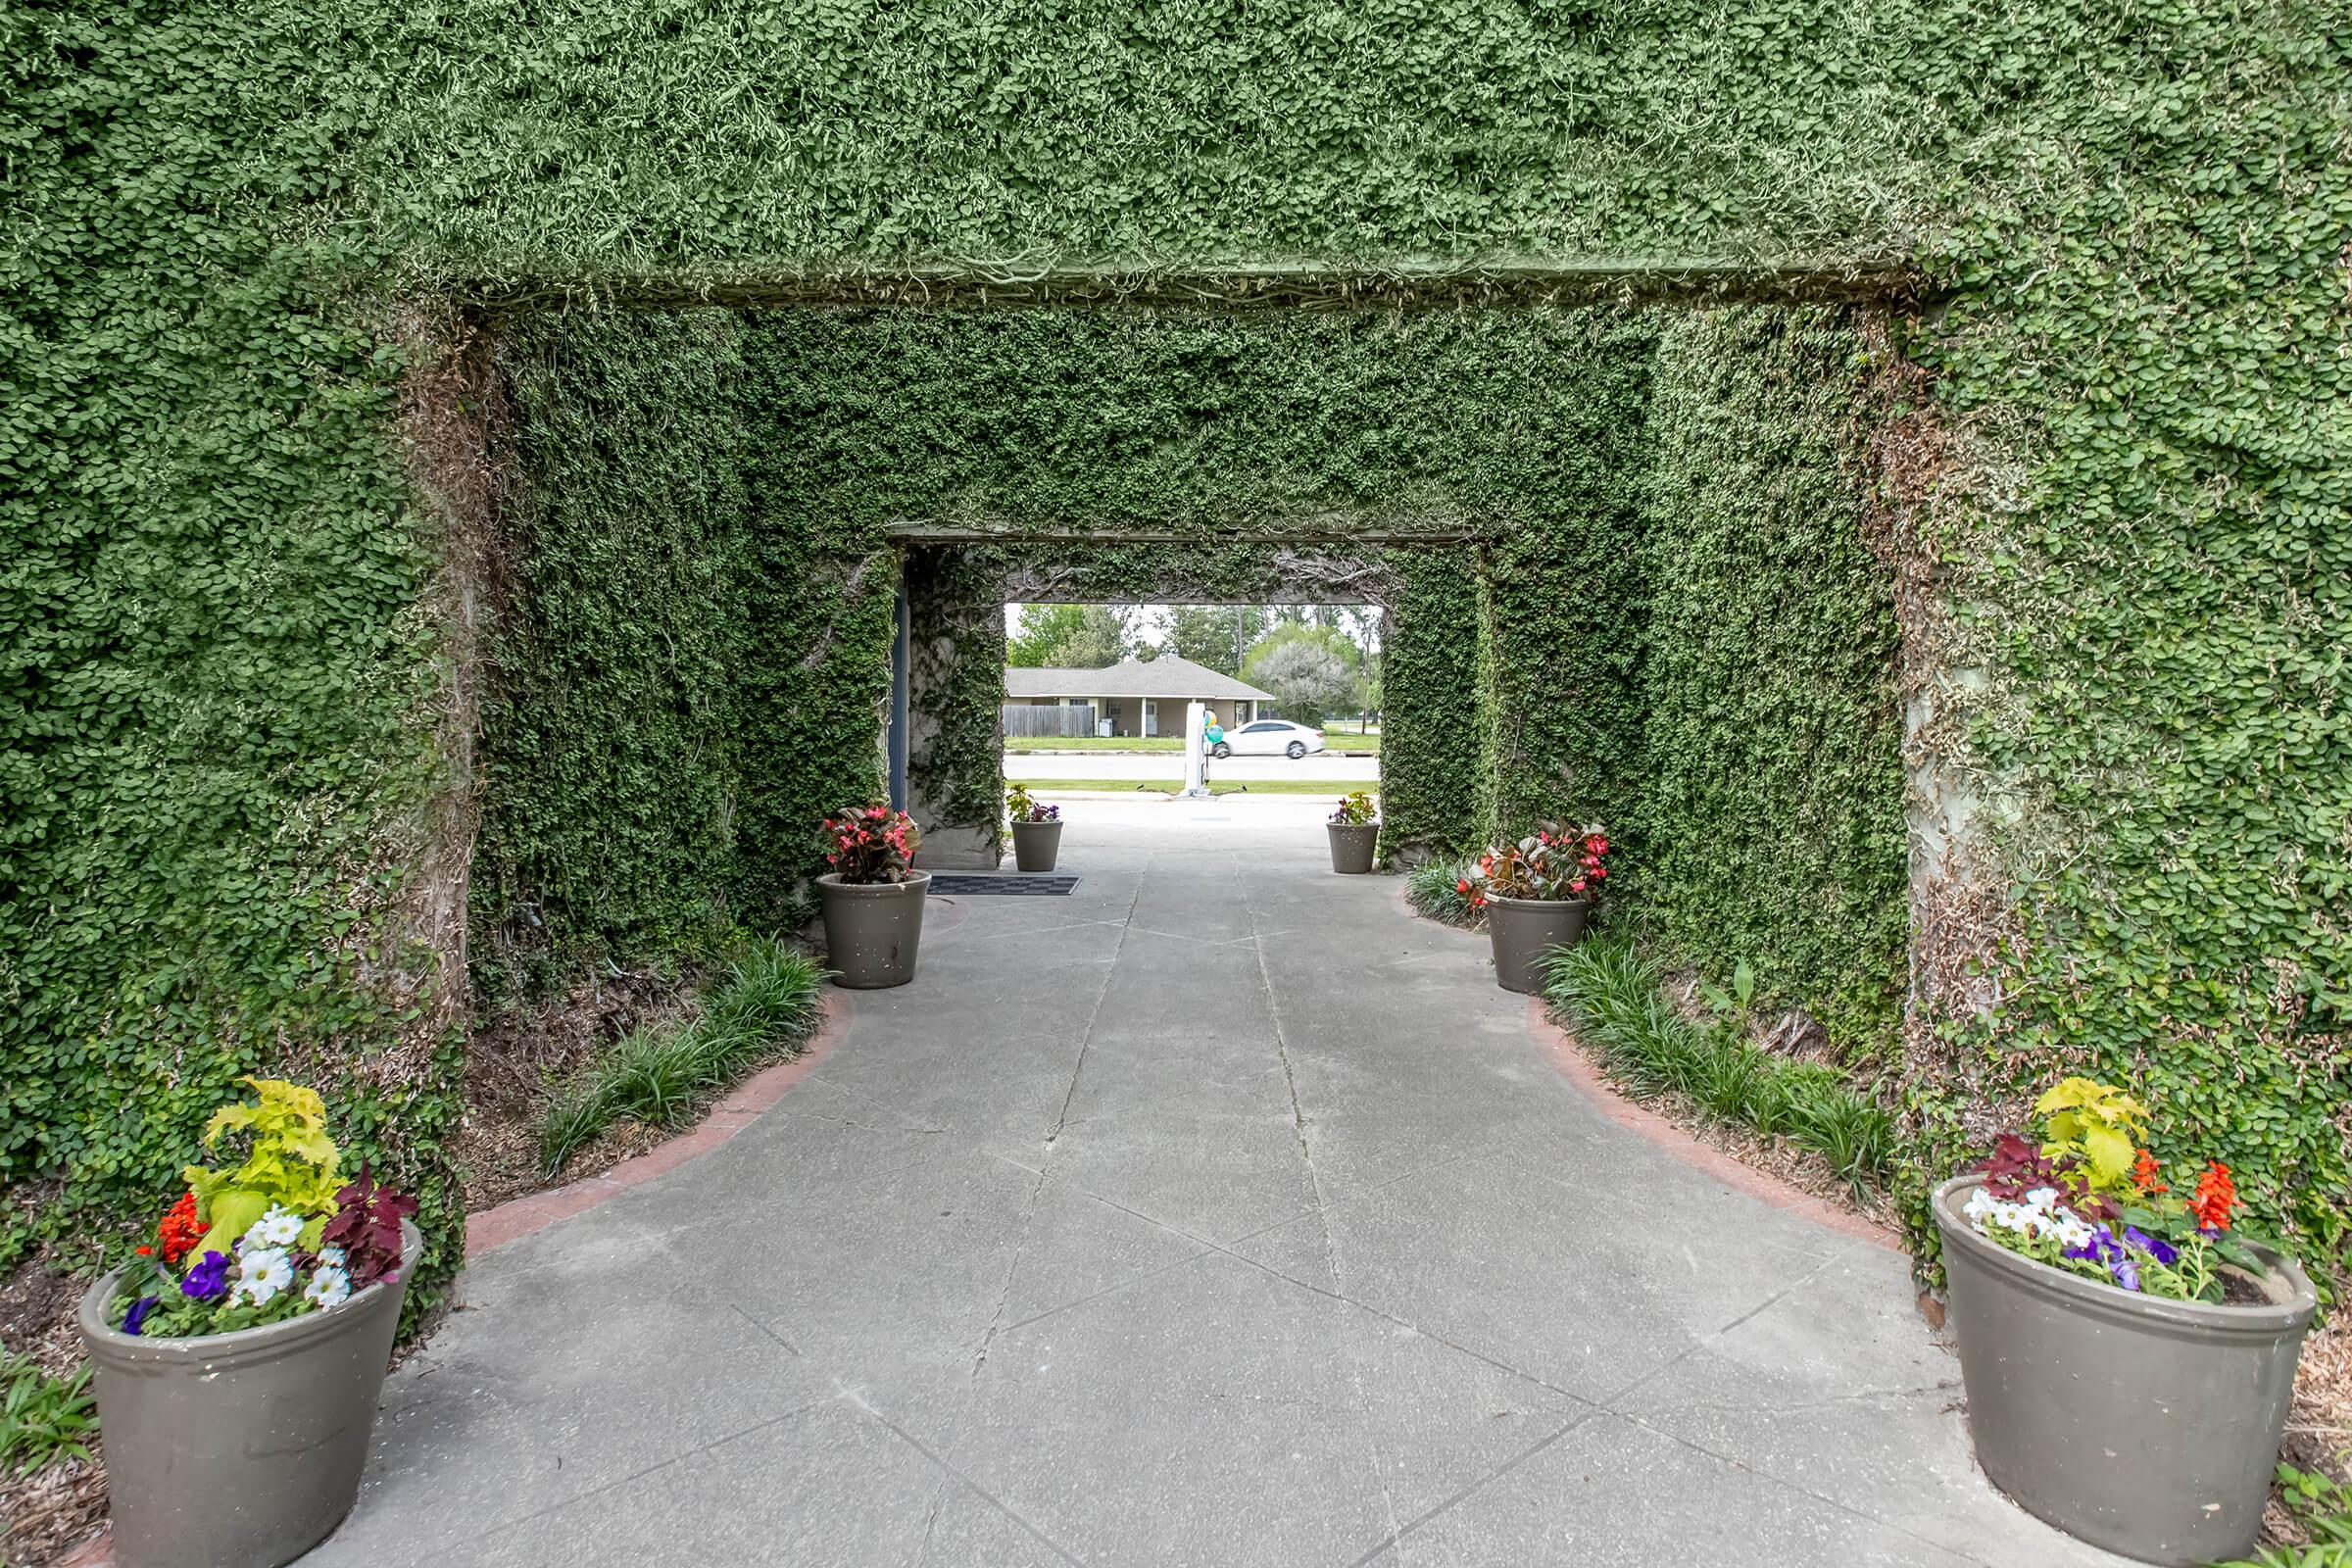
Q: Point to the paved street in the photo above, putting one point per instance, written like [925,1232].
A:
[1221,1215]
[1170,764]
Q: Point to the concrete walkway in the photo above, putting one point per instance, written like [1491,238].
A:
[1220,1214]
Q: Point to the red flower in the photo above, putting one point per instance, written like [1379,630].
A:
[1576,886]
[2215,1196]
[1463,885]
[146,1252]
[179,1230]
[2144,1171]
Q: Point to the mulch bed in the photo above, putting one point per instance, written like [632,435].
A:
[510,1063]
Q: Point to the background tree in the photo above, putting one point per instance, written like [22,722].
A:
[1068,637]
[1311,670]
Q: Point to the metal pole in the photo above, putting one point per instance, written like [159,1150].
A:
[901,648]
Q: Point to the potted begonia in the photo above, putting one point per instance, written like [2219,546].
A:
[1536,892]
[1036,830]
[872,897]
[1355,830]
[2128,1348]
[241,1354]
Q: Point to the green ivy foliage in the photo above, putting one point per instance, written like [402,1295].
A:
[2151,328]
[609,780]
[1563,602]
[1770,807]
[1430,738]
[217,685]
[955,694]
[1208,425]
[690,665]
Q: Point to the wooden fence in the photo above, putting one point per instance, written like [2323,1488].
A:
[1062,719]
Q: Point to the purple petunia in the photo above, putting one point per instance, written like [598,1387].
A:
[138,1314]
[2102,1242]
[2163,1251]
[207,1279]
[2126,1272]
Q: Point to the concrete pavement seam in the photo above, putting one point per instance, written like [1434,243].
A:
[1095,1013]
[1306,1153]
[974,1486]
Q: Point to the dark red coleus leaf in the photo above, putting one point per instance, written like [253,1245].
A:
[367,1226]
[2016,1168]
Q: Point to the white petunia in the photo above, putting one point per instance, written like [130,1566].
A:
[262,1274]
[329,1287]
[281,1227]
[2044,1199]
[332,1254]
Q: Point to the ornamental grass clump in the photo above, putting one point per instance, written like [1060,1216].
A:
[765,1003]
[871,843]
[2091,1198]
[1650,1048]
[1551,864]
[279,1235]
[1439,890]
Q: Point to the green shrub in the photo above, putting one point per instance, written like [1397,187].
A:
[765,1003]
[2323,1509]
[42,1418]
[1612,993]
[1435,890]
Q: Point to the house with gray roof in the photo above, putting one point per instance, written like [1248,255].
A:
[1138,696]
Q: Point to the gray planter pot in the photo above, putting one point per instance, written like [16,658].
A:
[1035,845]
[1352,846]
[873,929]
[241,1447]
[1523,930]
[2147,1427]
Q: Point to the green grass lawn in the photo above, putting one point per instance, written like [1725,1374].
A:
[1093,743]
[1334,740]
[1331,787]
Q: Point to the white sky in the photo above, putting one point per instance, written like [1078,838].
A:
[1152,622]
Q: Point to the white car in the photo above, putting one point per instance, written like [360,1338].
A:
[1269,737]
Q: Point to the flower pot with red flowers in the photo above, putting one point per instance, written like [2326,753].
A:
[1355,830]
[1036,830]
[872,897]
[241,1353]
[2128,1348]
[1535,894]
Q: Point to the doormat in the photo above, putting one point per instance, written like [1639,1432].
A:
[1032,886]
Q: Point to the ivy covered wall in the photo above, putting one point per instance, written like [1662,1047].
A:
[608,780]
[688,665]
[223,664]
[1561,617]
[1431,765]
[1524,427]
[1770,812]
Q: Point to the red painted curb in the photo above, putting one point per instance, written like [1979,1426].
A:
[1569,1060]
[519,1217]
